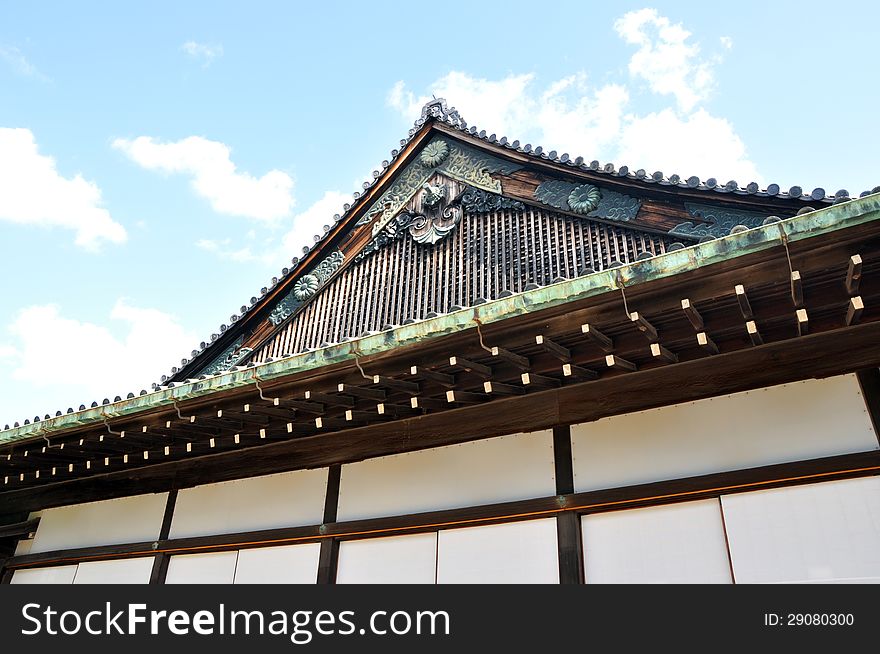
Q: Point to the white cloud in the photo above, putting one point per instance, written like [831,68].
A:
[499,101]
[727,42]
[225,249]
[19,64]
[61,360]
[275,250]
[697,143]
[214,175]
[599,121]
[307,224]
[204,52]
[665,59]
[32,192]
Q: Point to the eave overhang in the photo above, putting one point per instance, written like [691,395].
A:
[821,223]
[251,323]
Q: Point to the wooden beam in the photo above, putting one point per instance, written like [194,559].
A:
[854,274]
[464,397]
[442,378]
[742,299]
[803,322]
[429,403]
[19,529]
[191,427]
[598,338]
[617,363]
[754,334]
[516,360]
[644,326]
[323,422]
[551,347]
[360,416]
[498,388]
[822,354]
[212,425]
[661,353]
[707,343]
[160,561]
[470,366]
[373,394]
[271,411]
[329,554]
[797,289]
[854,310]
[571,371]
[847,466]
[692,315]
[396,410]
[408,387]
[570,551]
[869,383]
[539,381]
[344,401]
[244,417]
[310,406]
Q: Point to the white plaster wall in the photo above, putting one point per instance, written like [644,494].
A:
[115,571]
[211,568]
[59,574]
[392,560]
[672,544]
[288,499]
[286,564]
[514,467]
[790,422]
[818,533]
[108,522]
[511,553]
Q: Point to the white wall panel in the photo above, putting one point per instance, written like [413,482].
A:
[815,533]
[60,574]
[213,568]
[23,547]
[116,571]
[514,467]
[393,560]
[512,553]
[673,544]
[282,500]
[790,422]
[287,564]
[109,522]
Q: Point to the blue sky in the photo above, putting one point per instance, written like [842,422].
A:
[160,163]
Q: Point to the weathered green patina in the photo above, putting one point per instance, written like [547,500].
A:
[809,225]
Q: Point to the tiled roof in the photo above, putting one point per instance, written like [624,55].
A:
[437,110]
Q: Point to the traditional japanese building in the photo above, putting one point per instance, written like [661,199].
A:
[499,364]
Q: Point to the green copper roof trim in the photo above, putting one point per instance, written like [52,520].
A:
[808,225]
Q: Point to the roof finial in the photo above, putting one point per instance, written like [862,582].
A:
[437,108]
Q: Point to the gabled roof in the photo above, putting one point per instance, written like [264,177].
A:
[799,231]
[437,118]
[753,204]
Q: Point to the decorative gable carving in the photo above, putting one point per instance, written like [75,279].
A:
[440,155]
[305,287]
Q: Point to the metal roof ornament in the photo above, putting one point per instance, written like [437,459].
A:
[434,153]
[583,199]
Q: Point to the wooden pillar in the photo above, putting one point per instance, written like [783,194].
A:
[869,382]
[5,574]
[17,526]
[160,560]
[568,531]
[330,546]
